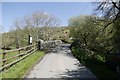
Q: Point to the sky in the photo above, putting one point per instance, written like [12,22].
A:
[63,10]
[53,0]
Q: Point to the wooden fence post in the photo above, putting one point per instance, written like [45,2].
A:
[4,62]
[36,46]
[19,53]
[39,45]
[33,47]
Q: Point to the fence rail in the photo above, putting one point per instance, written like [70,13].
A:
[18,55]
[11,57]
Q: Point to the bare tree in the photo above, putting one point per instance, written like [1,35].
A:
[110,11]
[42,19]
[38,25]
[17,33]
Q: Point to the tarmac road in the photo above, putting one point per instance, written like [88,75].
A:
[59,63]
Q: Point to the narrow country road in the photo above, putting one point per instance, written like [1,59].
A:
[60,63]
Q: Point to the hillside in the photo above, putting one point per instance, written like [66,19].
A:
[19,38]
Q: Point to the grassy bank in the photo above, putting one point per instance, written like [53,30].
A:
[97,66]
[21,68]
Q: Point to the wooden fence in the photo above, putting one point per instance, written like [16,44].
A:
[11,57]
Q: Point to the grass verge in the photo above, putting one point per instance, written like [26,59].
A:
[21,68]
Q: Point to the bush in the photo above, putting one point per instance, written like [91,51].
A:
[79,54]
[75,44]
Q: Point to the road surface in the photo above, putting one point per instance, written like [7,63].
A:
[59,63]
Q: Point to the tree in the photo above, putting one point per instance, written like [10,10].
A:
[17,33]
[38,24]
[110,11]
[83,28]
[88,29]
[42,19]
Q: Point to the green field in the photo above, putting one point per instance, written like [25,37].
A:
[9,55]
[20,69]
[0,50]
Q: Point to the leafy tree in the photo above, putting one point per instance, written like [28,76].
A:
[88,29]
[84,28]
[110,11]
